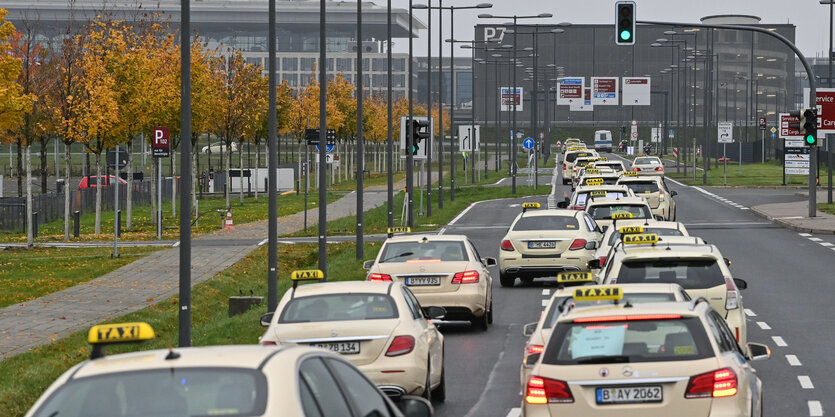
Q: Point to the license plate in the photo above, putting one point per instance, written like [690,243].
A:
[625,395]
[345,348]
[414,281]
[542,245]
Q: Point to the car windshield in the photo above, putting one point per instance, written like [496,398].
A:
[606,212]
[583,197]
[647,161]
[546,223]
[572,156]
[690,274]
[339,307]
[166,392]
[662,340]
[642,187]
[420,250]
[660,231]
[634,298]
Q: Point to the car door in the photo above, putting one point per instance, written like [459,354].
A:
[746,374]
[321,394]
[487,285]
[430,335]
[366,399]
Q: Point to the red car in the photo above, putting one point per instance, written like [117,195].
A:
[90,181]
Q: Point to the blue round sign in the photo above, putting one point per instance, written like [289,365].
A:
[328,149]
[528,143]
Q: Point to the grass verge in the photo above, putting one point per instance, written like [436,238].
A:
[27,274]
[24,377]
[826,208]
[753,174]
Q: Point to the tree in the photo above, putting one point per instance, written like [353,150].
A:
[206,84]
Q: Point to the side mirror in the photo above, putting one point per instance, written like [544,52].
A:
[562,204]
[528,329]
[727,261]
[266,319]
[489,261]
[659,218]
[741,283]
[368,264]
[434,312]
[591,245]
[673,193]
[758,351]
[594,264]
[412,406]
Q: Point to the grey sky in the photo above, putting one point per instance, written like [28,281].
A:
[812,34]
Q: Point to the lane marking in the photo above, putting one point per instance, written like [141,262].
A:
[674,181]
[816,239]
[805,234]
[805,382]
[793,361]
[544,303]
[176,244]
[546,291]
[815,409]
[763,325]
[827,244]
[779,341]
[750,313]
[728,224]
[514,412]
[263,242]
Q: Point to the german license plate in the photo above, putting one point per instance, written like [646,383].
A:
[416,281]
[345,348]
[548,244]
[625,395]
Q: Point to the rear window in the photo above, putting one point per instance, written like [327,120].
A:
[546,223]
[628,341]
[614,165]
[339,307]
[646,161]
[690,274]
[606,212]
[440,250]
[642,187]
[572,156]
[660,231]
[162,392]
[582,197]
[634,298]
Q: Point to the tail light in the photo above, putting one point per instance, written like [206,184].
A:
[602,260]
[564,166]
[268,343]
[661,197]
[534,349]
[636,169]
[466,277]
[659,168]
[721,383]
[547,391]
[506,245]
[379,277]
[532,354]
[731,295]
[401,345]
[578,244]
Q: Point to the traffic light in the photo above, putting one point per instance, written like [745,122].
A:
[418,131]
[625,23]
[807,125]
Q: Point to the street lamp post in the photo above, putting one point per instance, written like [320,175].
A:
[472,45]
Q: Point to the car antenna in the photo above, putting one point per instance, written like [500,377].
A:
[171,354]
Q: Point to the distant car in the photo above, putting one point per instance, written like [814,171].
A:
[90,181]
[603,141]
[648,165]
[219,147]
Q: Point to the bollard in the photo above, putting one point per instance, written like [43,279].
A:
[240,304]
[76,223]
[119,223]
[35,224]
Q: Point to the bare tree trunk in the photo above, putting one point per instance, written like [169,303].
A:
[257,166]
[241,170]
[44,158]
[29,236]
[98,193]
[129,196]
[67,188]
[20,169]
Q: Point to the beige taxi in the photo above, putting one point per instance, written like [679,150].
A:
[543,243]
[648,359]
[584,193]
[607,211]
[440,270]
[698,267]
[379,327]
[655,191]
[583,177]
[569,160]
[579,164]
[213,381]
[539,332]
[613,235]
[648,165]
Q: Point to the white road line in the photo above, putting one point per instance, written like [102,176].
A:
[763,325]
[176,244]
[728,224]
[805,234]
[546,291]
[263,242]
[744,208]
[544,303]
[460,215]
[805,382]
[832,248]
[815,409]
[793,361]
[827,244]
[750,313]
[779,341]
[676,182]
[816,239]
[514,412]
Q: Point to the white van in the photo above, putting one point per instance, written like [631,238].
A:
[603,141]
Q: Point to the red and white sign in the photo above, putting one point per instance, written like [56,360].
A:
[161,142]
[570,91]
[785,131]
[675,152]
[826,108]
[636,91]
[585,104]
[604,91]
[507,97]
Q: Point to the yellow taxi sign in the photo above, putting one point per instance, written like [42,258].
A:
[575,148]
[531,205]
[588,165]
[630,174]
[120,333]
[597,193]
[602,158]
[580,155]
[622,215]
[594,181]
[308,274]
[592,170]
[398,229]
[631,230]
[640,238]
[604,292]
[571,277]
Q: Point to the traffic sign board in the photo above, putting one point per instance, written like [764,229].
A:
[656,135]
[786,131]
[528,143]
[825,103]
[312,136]
[763,123]
[635,135]
[161,143]
[634,123]
[725,132]
[773,136]
[328,148]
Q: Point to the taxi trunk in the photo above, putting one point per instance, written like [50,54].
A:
[426,277]
[661,385]
[360,342]
[535,244]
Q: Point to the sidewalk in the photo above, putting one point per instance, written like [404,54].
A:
[149,280]
[794,215]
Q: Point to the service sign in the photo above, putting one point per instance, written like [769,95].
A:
[507,97]
[161,143]
[604,91]
[571,90]
[825,103]
[725,132]
[787,132]
[636,91]
[585,104]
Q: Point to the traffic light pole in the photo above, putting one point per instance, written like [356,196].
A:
[410,212]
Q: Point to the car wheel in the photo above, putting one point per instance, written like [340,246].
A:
[439,393]
[427,392]
[506,280]
[480,322]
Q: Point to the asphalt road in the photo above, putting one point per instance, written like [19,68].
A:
[789,304]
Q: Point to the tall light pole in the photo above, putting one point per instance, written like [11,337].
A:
[389,151]
[184,335]
[272,165]
[471,44]
[323,142]
[828,136]
[360,147]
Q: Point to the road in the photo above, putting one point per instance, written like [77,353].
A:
[788,304]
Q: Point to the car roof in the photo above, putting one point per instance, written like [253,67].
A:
[642,178]
[549,212]
[605,187]
[607,201]
[682,308]
[655,288]
[339,287]
[658,224]
[426,236]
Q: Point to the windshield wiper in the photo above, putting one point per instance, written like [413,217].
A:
[604,359]
[397,256]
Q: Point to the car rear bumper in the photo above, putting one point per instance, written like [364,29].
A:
[460,305]
[397,376]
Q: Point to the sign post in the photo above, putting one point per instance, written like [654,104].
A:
[161,149]
[725,135]
[795,153]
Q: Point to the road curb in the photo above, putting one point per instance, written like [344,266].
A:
[787,224]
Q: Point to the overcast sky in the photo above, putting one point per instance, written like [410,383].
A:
[809,16]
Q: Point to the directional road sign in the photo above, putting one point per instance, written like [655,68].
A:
[725,132]
[328,149]
[528,143]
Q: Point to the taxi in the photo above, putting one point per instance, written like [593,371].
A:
[617,166]
[643,359]
[573,143]
[690,262]
[539,332]
[570,158]
[379,327]
[607,211]
[648,165]
[579,163]
[613,235]
[543,243]
[584,193]
[608,176]
[229,380]
[440,270]
[655,191]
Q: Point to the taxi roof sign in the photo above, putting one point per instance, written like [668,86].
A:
[621,215]
[398,229]
[531,205]
[638,239]
[597,193]
[308,274]
[630,174]
[571,277]
[120,333]
[592,170]
[631,230]
[594,181]
[597,293]
[602,158]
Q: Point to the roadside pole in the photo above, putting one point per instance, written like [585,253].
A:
[159,198]
[116,217]
[184,336]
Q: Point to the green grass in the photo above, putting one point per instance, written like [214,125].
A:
[23,378]
[371,180]
[26,274]
[753,174]
[827,208]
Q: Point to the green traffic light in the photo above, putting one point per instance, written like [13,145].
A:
[625,35]
[810,139]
